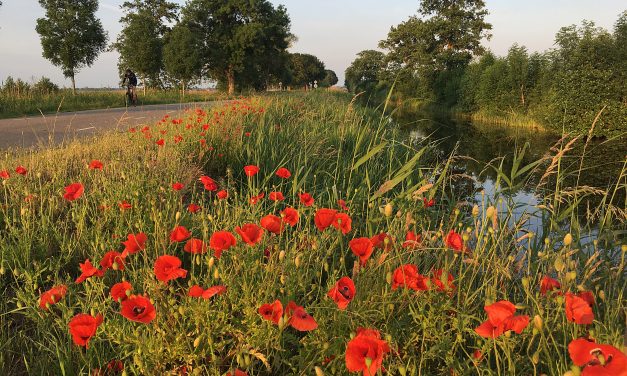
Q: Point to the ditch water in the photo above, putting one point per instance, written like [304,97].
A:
[479,144]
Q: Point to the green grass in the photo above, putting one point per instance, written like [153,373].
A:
[335,150]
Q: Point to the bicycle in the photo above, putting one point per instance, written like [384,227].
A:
[130,97]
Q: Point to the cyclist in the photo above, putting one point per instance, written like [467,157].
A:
[132,83]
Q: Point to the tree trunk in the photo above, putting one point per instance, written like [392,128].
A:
[73,84]
[144,79]
[183,87]
[230,76]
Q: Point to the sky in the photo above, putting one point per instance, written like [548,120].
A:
[333,30]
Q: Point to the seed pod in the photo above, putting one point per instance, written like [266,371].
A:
[297,261]
[568,239]
[281,255]
[177,216]
[537,322]
[475,211]
[318,371]
[387,210]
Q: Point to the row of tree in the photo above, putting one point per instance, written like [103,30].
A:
[19,88]
[437,59]
[239,44]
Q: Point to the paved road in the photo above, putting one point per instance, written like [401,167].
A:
[31,131]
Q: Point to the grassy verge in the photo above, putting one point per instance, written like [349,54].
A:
[466,254]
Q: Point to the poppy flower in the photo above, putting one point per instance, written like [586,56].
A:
[299,319]
[290,216]
[124,205]
[272,223]
[179,234]
[221,241]
[383,241]
[588,296]
[110,258]
[195,246]
[597,359]
[251,170]
[412,240]
[168,268]
[193,208]
[73,191]
[4,174]
[198,292]
[88,270]
[324,218]
[342,222]
[95,165]
[250,233]
[160,142]
[578,310]
[443,281]
[365,352]
[283,173]
[342,205]
[222,194]
[454,241]
[407,276]
[120,290]
[343,292]
[83,327]
[177,186]
[114,367]
[210,184]
[548,284]
[501,319]
[139,309]
[276,196]
[134,243]
[428,203]
[362,248]
[52,296]
[306,199]
[272,312]
[255,199]
[21,170]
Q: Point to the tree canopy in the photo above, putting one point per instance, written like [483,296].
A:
[182,57]
[330,78]
[364,72]
[305,69]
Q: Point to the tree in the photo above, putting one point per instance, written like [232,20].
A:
[330,78]
[182,57]
[364,72]
[71,35]
[238,36]
[306,69]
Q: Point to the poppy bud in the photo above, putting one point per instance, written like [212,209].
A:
[490,211]
[535,358]
[297,261]
[318,371]
[571,276]
[559,264]
[211,262]
[537,322]
[216,274]
[602,295]
[281,255]
[387,210]
[568,239]
[177,216]
[546,241]
[2,270]
[391,307]
[282,279]
[623,248]
[402,370]
[388,278]
[114,266]
[197,341]
[576,371]
[475,210]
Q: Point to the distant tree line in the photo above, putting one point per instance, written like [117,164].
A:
[239,44]
[19,88]
[437,60]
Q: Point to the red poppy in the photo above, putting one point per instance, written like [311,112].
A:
[454,241]
[139,309]
[272,312]
[210,184]
[221,241]
[110,258]
[88,270]
[125,205]
[362,248]
[160,142]
[324,218]
[120,290]
[168,268]
[342,205]
[114,367]
[52,296]
[501,319]
[95,165]
[73,191]
[588,296]
[365,352]
[306,199]
[272,223]
[198,292]
[276,196]
[343,292]
[255,199]
[179,234]
[195,246]
[83,327]
[290,216]
[299,319]
[222,194]
[177,186]
[342,222]
[4,174]
[134,243]
[250,233]
[578,310]
[21,170]
[251,170]
[407,276]
[193,208]
[283,173]
[597,359]
[442,280]
[548,284]
[412,240]
[383,241]
[428,203]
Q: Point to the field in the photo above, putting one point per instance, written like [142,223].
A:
[298,235]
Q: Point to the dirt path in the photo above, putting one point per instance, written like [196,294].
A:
[44,130]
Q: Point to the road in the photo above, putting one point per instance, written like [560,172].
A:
[44,130]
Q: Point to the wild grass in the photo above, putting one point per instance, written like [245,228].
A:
[335,150]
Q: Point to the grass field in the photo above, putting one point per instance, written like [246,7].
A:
[297,235]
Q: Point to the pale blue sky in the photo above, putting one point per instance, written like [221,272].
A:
[333,30]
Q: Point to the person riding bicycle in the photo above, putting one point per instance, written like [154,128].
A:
[132,83]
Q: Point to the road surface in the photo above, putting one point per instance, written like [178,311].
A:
[43,130]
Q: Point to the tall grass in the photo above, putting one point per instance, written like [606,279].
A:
[335,151]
